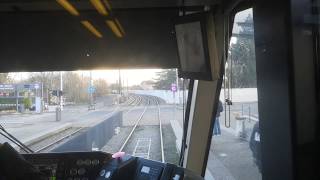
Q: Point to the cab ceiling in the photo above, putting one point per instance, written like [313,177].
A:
[50,5]
[39,35]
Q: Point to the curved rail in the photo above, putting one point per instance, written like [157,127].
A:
[137,104]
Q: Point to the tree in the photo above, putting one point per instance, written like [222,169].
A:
[135,87]
[167,77]
[75,87]
[27,103]
[114,87]
[164,79]
[50,80]
[4,77]
[242,55]
[101,87]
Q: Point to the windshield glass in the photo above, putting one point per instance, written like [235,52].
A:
[136,111]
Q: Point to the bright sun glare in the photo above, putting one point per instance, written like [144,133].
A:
[132,76]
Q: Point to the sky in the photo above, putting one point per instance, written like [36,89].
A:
[132,76]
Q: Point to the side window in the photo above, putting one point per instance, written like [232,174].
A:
[235,148]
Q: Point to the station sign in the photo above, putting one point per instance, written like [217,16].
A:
[7,87]
[30,86]
[91,89]
[19,86]
[173,87]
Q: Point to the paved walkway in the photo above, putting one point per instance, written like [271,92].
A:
[29,126]
[230,158]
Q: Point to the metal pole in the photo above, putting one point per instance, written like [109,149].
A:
[242,109]
[249,113]
[174,107]
[91,85]
[61,89]
[42,91]
[119,82]
[124,84]
[42,99]
[17,98]
[127,86]
[178,89]
[47,96]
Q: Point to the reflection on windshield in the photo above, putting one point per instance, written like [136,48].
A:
[135,111]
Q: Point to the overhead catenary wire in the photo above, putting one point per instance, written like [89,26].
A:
[15,140]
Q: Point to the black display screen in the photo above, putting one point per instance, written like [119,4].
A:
[192,47]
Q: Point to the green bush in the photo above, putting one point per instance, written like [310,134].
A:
[27,103]
[8,101]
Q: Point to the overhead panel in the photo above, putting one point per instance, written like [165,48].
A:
[51,5]
[69,7]
[60,40]
[91,28]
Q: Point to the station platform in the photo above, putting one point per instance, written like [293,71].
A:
[31,127]
[230,157]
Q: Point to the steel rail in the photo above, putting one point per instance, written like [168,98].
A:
[134,128]
[129,110]
[161,135]
[57,141]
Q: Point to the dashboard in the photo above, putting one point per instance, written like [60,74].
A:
[101,166]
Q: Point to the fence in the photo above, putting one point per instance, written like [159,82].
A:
[7,107]
[241,117]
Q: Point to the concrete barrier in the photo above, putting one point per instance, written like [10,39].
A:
[94,137]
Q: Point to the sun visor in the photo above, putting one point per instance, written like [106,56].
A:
[56,40]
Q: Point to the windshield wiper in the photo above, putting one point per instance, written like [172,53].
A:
[7,135]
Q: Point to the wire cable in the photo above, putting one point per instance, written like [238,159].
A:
[15,140]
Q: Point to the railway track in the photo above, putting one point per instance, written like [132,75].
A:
[136,102]
[48,143]
[145,143]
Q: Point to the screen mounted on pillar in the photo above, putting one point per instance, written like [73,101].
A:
[191,36]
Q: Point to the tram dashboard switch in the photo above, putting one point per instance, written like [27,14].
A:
[71,165]
[172,172]
[119,168]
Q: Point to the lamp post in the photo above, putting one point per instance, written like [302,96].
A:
[61,89]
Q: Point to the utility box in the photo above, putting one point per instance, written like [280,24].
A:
[21,108]
[58,113]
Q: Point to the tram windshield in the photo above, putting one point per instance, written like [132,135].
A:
[137,111]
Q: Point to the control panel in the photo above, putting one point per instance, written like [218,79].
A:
[69,166]
[101,166]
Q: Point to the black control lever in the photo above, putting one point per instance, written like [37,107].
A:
[172,172]
[118,169]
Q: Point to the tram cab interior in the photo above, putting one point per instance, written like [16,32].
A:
[66,35]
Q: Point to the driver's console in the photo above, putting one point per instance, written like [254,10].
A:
[101,166]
